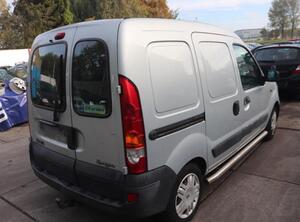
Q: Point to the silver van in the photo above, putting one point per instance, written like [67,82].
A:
[136,115]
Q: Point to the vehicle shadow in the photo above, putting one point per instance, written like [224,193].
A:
[289,97]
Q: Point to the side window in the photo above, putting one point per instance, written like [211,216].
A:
[173,76]
[48,76]
[220,74]
[90,79]
[249,71]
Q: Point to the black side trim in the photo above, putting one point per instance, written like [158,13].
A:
[227,144]
[166,130]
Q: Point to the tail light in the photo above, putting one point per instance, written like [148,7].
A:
[133,127]
[297,70]
[59,36]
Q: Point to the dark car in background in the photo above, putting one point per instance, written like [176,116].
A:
[285,59]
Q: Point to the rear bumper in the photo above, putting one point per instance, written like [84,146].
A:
[105,188]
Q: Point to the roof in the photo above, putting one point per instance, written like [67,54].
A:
[279,46]
[177,25]
[158,24]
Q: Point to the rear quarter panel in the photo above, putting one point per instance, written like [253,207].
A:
[177,149]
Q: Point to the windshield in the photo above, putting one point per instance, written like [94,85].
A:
[277,54]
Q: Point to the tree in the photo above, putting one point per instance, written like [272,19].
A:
[264,33]
[32,17]
[84,10]
[293,11]
[108,9]
[3,5]
[278,15]
[134,8]
[11,35]
[159,9]
[37,16]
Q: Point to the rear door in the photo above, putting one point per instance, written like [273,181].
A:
[49,110]
[96,115]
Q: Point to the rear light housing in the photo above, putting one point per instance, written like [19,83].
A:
[133,127]
[59,36]
[297,70]
[132,197]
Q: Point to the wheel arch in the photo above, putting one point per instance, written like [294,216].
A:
[191,149]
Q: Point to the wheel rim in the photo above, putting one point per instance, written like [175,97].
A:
[187,195]
[274,123]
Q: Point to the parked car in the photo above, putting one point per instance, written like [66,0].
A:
[253,45]
[285,59]
[295,41]
[144,111]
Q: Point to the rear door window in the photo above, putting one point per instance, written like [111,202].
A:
[48,76]
[276,54]
[90,79]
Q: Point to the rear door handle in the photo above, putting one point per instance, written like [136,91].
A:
[236,108]
[71,138]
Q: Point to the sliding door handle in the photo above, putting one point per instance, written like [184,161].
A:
[236,108]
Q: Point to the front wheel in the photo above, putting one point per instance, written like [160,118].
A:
[185,197]
[272,124]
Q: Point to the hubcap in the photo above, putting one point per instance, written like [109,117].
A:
[273,122]
[187,195]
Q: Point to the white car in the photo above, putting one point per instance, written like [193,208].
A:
[133,115]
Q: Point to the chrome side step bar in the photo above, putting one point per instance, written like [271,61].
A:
[228,165]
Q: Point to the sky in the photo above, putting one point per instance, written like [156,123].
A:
[229,14]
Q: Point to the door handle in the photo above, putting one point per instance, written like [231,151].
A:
[247,101]
[71,138]
[236,108]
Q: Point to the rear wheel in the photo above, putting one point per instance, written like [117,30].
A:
[272,124]
[185,197]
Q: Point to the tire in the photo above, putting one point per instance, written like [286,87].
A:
[191,178]
[272,124]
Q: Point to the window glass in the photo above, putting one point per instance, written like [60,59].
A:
[91,84]
[277,54]
[220,74]
[47,76]
[249,71]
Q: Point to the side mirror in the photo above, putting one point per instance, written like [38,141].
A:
[272,75]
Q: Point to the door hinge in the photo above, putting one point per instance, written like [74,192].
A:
[119,89]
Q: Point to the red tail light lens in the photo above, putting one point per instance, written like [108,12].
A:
[133,127]
[297,70]
[59,36]
[132,197]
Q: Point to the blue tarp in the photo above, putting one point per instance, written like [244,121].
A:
[13,109]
